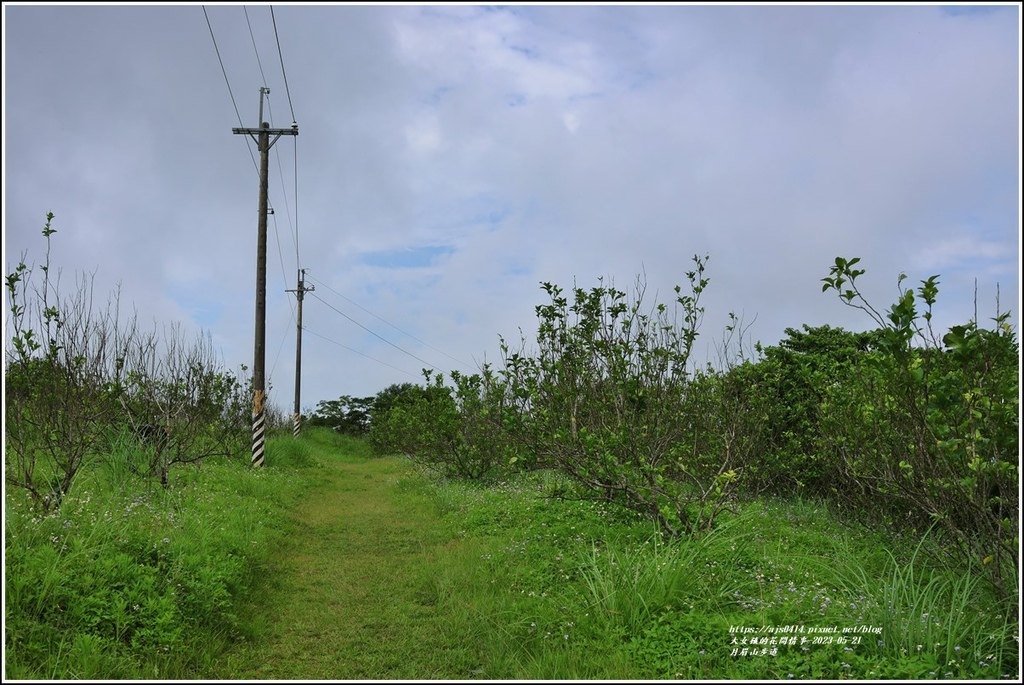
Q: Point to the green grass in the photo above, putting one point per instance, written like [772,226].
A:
[581,590]
[129,580]
[356,580]
[331,564]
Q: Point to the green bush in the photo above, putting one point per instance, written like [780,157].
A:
[792,381]
[458,431]
[609,399]
[928,432]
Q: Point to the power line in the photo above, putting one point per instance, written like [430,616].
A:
[287,208]
[283,74]
[291,108]
[293,228]
[263,77]
[231,94]
[284,337]
[277,232]
[295,176]
[223,70]
[360,353]
[462,363]
[374,334]
[280,256]
[253,38]
[259,63]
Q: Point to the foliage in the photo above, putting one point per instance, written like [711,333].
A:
[401,417]
[125,582]
[929,431]
[611,524]
[792,380]
[609,399]
[457,430]
[79,382]
[285,451]
[347,414]
[572,589]
[183,408]
[387,398]
[56,398]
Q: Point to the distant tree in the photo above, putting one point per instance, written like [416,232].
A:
[386,398]
[347,414]
[405,417]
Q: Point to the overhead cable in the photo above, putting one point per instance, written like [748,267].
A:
[253,38]
[283,74]
[462,363]
[231,94]
[360,353]
[372,333]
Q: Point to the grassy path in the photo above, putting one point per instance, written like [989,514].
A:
[351,594]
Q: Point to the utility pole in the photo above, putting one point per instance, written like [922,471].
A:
[259,395]
[299,291]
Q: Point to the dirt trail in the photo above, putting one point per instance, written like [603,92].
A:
[352,596]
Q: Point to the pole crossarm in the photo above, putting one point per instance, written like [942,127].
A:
[276,132]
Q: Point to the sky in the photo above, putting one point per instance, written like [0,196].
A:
[451,158]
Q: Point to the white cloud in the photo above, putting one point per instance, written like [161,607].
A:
[961,250]
[541,143]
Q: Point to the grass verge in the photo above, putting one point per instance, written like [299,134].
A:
[330,564]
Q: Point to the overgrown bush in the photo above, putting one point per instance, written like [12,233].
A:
[792,380]
[400,425]
[928,432]
[80,381]
[458,430]
[609,399]
[177,400]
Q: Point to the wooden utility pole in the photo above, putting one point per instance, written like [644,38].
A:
[259,395]
[299,291]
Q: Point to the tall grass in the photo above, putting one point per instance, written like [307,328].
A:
[629,585]
[947,617]
[130,580]
[570,590]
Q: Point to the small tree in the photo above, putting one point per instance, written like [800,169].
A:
[76,377]
[929,430]
[56,399]
[175,395]
[608,398]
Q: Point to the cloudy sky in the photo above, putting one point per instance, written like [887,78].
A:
[452,158]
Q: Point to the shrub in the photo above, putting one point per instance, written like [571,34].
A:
[929,431]
[608,399]
[458,430]
[792,381]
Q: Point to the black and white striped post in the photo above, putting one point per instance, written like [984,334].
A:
[264,143]
[258,427]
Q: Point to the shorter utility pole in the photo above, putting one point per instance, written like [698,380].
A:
[259,394]
[299,291]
